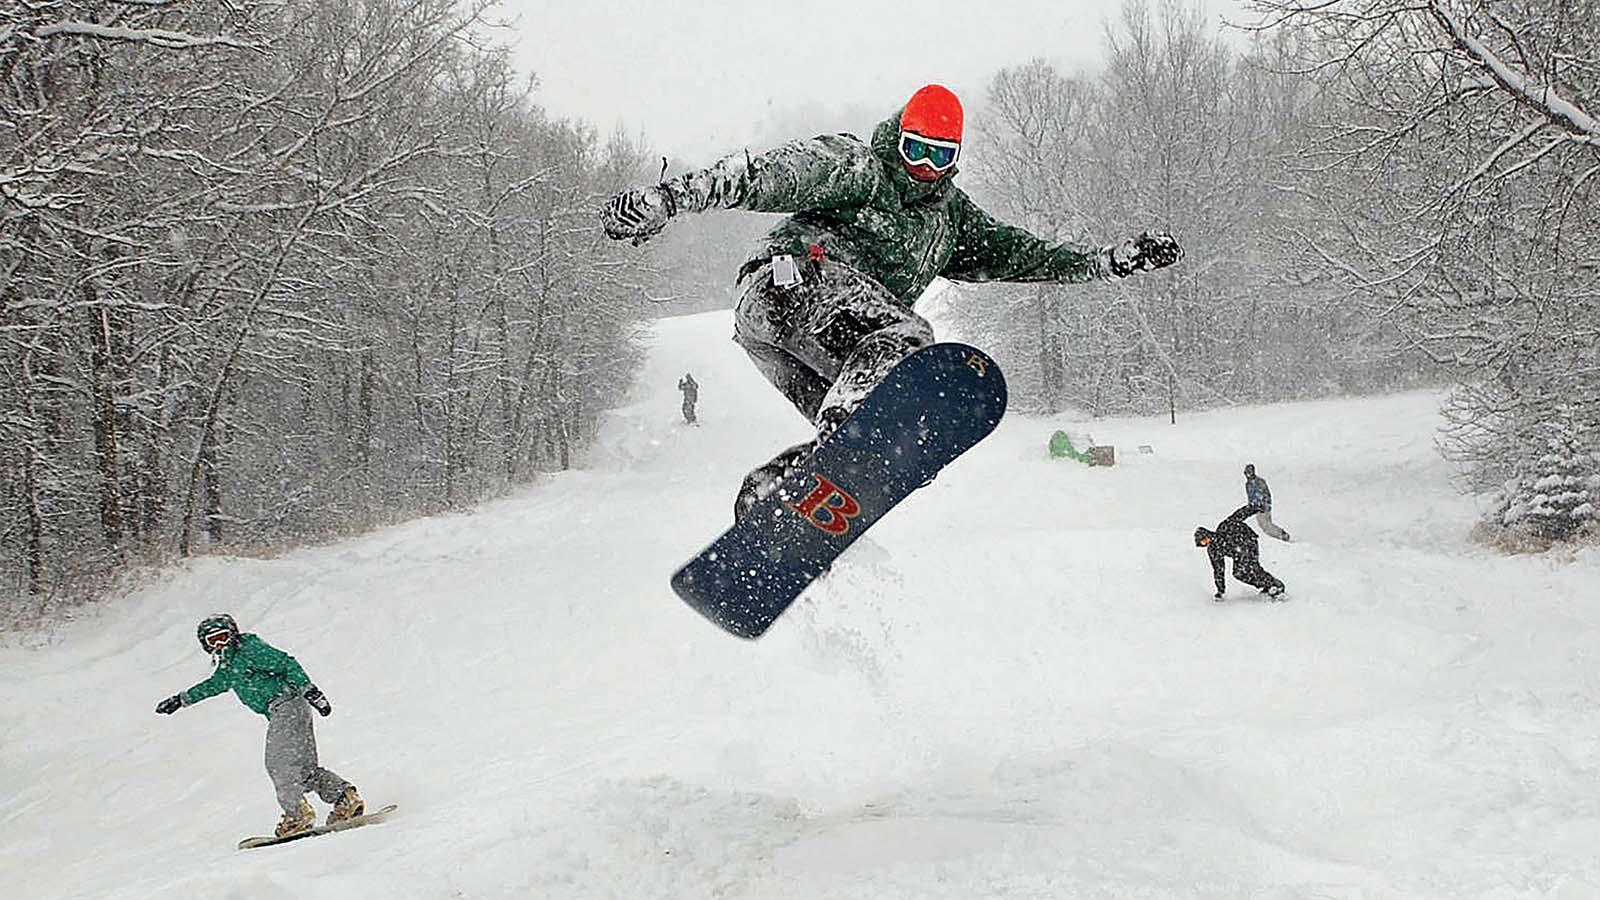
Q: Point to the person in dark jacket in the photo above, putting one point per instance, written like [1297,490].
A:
[691,394]
[273,684]
[1234,538]
[826,306]
[1256,493]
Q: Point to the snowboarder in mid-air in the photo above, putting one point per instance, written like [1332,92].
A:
[1256,493]
[826,306]
[273,684]
[1236,539]
[691,395]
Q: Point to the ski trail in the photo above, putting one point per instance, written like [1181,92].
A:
[1015,686]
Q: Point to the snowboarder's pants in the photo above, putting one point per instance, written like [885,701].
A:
[1264,519]
[292,755]
[688,410]
[827,341]
[1250,572]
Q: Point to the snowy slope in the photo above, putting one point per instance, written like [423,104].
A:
[1017,686]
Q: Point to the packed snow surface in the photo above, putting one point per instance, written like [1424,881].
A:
[1016,686]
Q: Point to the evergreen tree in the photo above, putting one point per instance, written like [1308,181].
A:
[1555,491]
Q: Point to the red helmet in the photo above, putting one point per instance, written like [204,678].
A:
[930,132]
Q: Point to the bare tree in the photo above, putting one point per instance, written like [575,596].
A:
[1179,130]
[1458,199]
[270,270]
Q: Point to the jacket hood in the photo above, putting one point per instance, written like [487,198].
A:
[886,146]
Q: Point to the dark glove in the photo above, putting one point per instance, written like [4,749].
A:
[318,701]
[170,705]
[639,213]
[1217,596]
[1150,250]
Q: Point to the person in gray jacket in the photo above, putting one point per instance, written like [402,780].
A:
[691,395]
[1256,493]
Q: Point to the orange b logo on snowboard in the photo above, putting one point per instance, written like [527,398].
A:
[828,507]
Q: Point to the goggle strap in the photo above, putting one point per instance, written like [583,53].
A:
[932,142]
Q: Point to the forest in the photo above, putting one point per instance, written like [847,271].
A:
[277,271]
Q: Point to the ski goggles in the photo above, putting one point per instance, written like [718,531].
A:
[937,155]
[216,640]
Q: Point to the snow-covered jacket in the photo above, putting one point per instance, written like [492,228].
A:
[856,202]
[1236,539]
[1257,493]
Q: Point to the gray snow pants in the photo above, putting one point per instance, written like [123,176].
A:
[292,755]
[1264,519]
[827,341]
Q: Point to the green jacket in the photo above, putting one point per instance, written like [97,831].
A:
[856,201]
[254,670]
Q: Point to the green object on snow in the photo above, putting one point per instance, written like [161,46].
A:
[1061,448]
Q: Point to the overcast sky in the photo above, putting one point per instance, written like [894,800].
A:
[704,77]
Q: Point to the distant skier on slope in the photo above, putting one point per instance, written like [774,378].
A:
[1236,539]
[1256,493]
[826,309]
[691,395]
[273,684]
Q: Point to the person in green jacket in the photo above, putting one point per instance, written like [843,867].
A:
[826,307]
[272,683]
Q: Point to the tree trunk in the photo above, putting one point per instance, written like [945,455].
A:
[104,421]
[212,510]
[364,413]
[1052,374]
[33,517]
[33,540]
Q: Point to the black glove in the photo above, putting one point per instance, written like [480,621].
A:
[170,705]
[318,701]
[640,214]
[1217,596]
[1150,250]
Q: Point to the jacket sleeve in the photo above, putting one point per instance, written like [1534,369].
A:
[1244,512]
[268,658]
[826,172]
[987,250]
[205,690]
[1218,572]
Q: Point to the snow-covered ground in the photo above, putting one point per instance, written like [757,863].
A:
[1016,686]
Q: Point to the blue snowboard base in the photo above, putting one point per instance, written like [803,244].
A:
[932,407]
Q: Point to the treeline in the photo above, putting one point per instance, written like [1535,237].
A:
[1456,197]
[271,270]
[1183,129]
[1372,193]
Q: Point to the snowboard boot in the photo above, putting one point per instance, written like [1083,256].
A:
[297,822]
[764,480]
[348,806]
[1273,591]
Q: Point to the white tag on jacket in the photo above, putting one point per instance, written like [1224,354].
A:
[784,272]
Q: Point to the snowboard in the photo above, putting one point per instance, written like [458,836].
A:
[353,822]
[1262,596]
[931,407]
